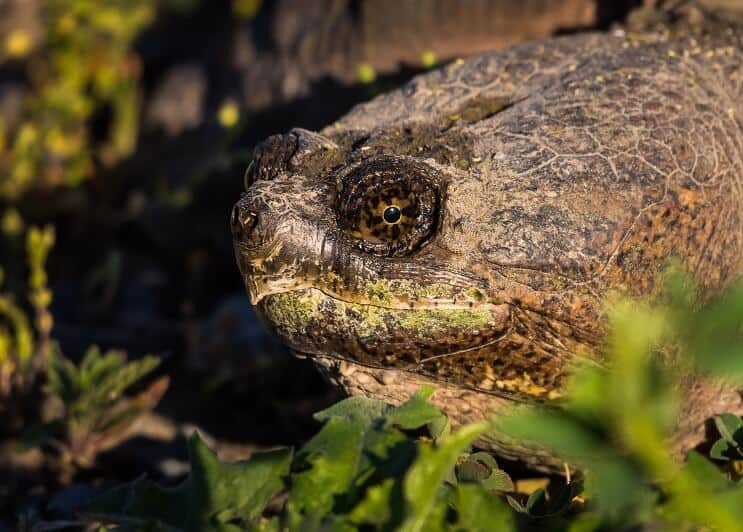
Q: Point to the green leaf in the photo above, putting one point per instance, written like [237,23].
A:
[334,455]
[424,479]
[482,468]
[353,408]
[722,450]
[706,473]
[729,425]
[439,427]
[480,511]
[213,493]
[553,429]
[714,334]
[359,443]
[375,507]
[616,485]
[62,377]
[415,412]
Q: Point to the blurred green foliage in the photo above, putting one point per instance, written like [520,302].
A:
[83,62]
[93,414]
[376,467]
[79,71]
[615,423]
[23,347]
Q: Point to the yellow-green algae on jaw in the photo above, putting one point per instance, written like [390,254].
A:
[291,312]
[296,311]
[386,292]
[428,321]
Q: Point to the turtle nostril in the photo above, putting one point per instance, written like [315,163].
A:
[241,220]
[248,221]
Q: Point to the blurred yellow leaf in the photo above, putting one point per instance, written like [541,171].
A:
[366,73]
[246,8]
[12,223]
[228,113]
[428,58]
[18,43]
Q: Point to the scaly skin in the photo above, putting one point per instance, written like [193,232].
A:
[550,176]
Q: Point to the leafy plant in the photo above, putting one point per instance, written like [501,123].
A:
[214,495]
[377,467]
[365,468]
[93,413]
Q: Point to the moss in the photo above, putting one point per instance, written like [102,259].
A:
[293,311]
[372,319]
[476,294]
[433,291]
[386,292]
[428,321]
[379,291]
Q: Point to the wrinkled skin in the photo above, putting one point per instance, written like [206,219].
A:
[536,181]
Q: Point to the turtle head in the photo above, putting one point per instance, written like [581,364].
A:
[339,255]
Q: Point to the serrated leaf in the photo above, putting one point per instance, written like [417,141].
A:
[360,439]
[482,468]
[472,471]
[353,408]
[498,480]
[415,412]
[213,490]
[337,459]
[484,458]
[375,508]
[423,481]
[439,427]
[334,457]
[62,377]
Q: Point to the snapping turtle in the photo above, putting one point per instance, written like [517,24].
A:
[463,230]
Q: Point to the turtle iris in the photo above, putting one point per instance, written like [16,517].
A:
[386,209]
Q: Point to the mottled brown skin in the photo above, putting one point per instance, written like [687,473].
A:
[535,182]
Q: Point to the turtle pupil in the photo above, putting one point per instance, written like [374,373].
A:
[392,215]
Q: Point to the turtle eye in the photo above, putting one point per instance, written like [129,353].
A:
[388,207]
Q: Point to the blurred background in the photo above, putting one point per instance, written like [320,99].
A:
[125,129]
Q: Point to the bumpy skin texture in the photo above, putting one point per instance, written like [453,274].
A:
[544,177]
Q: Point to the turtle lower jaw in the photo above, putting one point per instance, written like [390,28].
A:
[310,321]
